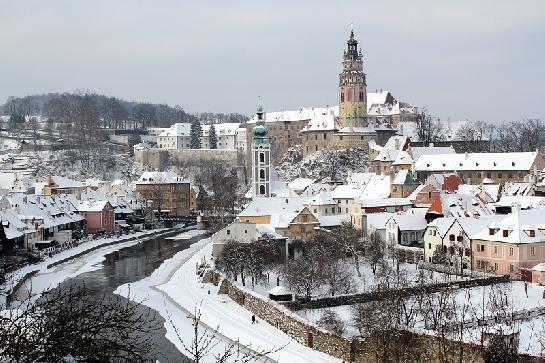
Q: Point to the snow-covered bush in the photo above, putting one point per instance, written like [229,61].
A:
[328,163]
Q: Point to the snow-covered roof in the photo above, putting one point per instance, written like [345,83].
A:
[321,199]
[403,158]
[345,191]
[410,222]
[300,184]
[333,220]
[304,113]
[376,98]
[63,182]
[384,202]
[522,161]
[278,290]
[92,206]
[442,224]
[377,187]
[322,123]
[518,225]
[525,201]
[417,151]
[273,205]
[160,177]
[178,129]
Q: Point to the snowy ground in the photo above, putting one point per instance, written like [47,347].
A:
[530,331]
[47,278]
[364,283]
[175,290]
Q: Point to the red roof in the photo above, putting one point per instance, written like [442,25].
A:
[451,183]
[436,207]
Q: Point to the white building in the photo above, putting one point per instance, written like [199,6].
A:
[241,140]
[177,136]
[226,135]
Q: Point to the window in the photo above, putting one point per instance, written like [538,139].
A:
[510,175]
[434,232]
[341,138]
[480,248]
[491,231]
[532,251]
[228,231]
[495,266]
[532,233]
[246,231]
[511,251]
[315,210]
[505,233]
[262,174]
[495,250]
[429,246]
[489,175]
[431,233]
[262,189]
[339,210]
[261,157]
[467,252]
[511,268]
[325,135]
[451,237]
[500,175]
[315,136]
[316,148]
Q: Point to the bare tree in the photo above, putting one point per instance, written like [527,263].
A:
[428,128]
[68,322]
[330,320]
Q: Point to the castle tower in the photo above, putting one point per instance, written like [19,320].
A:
[352,87]
[261,157]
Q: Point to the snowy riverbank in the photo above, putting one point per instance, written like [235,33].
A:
[174,289]
[91,253]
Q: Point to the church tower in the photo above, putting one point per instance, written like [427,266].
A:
[352,87]
[261,157]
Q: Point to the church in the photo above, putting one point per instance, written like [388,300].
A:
[351,127]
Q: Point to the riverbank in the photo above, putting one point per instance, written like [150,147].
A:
[21,277]
[174,290]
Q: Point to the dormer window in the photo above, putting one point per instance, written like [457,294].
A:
[505,233]
[491,231]
[512,163]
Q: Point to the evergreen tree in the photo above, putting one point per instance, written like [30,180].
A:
[196,134]
[202,196]
[212,137]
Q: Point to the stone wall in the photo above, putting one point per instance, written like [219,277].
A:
[382,295]
[280,317]
[161,158]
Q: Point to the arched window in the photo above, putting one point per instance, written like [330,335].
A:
[261,157]
[262,174]
[261,189]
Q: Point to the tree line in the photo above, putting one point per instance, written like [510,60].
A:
[111,112]
[479,136]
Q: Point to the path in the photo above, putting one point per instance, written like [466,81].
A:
[175,289]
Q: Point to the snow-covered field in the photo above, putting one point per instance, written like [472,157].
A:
[361,284]
[471,300]
[174,290]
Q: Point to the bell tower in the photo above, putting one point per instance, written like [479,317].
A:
[261,157]
[352,87]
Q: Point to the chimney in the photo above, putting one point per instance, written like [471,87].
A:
[515,209]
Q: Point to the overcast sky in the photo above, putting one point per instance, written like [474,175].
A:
[482,60]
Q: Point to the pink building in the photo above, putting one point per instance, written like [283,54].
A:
[511,246]
[99,215]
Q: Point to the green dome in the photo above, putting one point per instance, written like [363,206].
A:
[260,132]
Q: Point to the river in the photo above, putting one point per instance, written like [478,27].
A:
[131,264]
